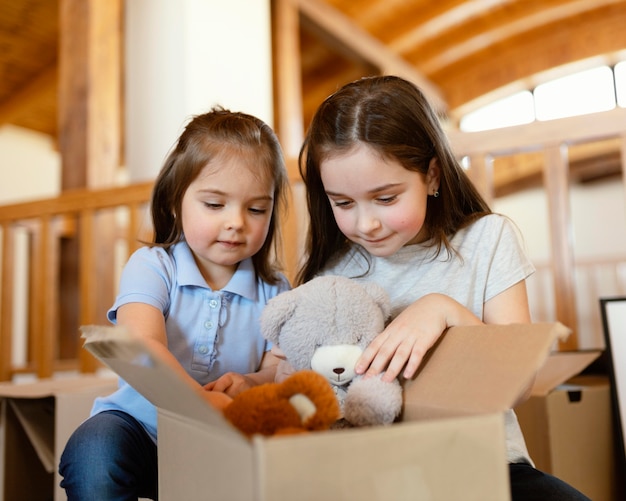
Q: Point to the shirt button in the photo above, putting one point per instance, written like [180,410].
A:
[213,303]
[208,324]
[203,350]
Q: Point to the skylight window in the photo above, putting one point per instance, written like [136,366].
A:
[513,110]
[589,91]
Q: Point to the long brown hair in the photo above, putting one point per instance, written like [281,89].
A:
[394,117]
[204,137]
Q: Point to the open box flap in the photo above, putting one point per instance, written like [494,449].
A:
[559,367]
[141,367]
[479,369]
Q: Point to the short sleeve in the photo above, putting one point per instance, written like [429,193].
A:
[146,278]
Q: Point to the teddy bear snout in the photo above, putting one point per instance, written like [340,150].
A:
[336,362]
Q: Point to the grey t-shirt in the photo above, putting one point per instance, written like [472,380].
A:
[490,258]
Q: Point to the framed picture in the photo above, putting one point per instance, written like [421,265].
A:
[613,311]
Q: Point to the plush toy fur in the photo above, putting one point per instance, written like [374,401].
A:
[303,402]
[324,325]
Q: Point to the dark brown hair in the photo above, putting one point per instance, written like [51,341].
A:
[392,116]
[204,138]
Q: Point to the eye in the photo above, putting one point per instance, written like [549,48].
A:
[258,210]
[387,199]
[342,203]
[213,205]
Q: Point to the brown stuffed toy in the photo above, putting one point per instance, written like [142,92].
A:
[303,402]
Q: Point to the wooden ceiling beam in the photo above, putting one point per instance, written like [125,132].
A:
[502,32]
[343,35]
[23,99]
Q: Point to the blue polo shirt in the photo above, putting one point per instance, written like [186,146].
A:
[209,332]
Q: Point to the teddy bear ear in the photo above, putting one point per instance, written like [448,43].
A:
[276,312]
[380,297]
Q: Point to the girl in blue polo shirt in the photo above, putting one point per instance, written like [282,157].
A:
[195,294]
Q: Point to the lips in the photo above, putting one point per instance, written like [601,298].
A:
[376,241]
[230,244]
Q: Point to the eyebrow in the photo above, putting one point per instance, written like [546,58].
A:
[224,194]
[371,192]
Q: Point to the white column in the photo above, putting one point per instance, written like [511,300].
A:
[183,57]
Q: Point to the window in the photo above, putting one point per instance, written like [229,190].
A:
[513,110]
[585,92]
[588,91]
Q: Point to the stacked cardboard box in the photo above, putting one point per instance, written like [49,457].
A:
[567,423]
[36,419]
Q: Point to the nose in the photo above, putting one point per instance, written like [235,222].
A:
[367,222]
[234,220]
[339,370]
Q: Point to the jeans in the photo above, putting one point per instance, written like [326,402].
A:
[109,457]
[530,484]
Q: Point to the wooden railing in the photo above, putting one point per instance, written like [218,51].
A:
[59,257]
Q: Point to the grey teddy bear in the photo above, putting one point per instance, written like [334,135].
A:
[324,325]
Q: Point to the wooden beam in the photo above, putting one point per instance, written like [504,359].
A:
[349,39]
[483,39]
[289,127]
[24,98]
[89,92]
[6,300]
[562,241]
[481,174]
[531,137]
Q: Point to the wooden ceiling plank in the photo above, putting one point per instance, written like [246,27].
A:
[510,30]
[23,100]
[526,59]
[346,36]
[447,20]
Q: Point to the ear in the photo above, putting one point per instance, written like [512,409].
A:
[433,176]
[276,312]
[380,297]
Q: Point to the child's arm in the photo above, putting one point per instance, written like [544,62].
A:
[405,341]
[148,322]
[233,383]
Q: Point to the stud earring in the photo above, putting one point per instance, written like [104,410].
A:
[436,194]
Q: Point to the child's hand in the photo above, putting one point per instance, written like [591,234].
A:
[231,384]
[217,399]
[284,368]
[411,334]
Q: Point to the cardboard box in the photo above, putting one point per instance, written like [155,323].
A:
[567,424]
[450,444]
[36,419]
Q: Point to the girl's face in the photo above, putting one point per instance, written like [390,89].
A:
[226,213]
[377,203]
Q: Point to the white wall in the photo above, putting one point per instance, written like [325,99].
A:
[30,165]
[184,57]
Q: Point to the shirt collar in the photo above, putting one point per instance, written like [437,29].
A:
[243,282]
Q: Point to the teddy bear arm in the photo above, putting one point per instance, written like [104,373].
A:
[372,401]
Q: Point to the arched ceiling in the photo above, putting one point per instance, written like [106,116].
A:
[459,50]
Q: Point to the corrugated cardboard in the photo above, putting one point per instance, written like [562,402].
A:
[473,374]
[36,419]
[567,424]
